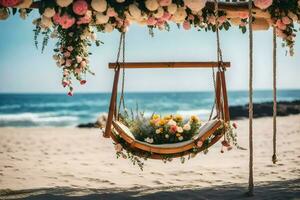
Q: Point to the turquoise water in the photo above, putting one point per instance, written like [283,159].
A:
[29,110]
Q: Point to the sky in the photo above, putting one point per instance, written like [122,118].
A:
[23,69]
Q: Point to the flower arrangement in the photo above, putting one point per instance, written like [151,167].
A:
[74,23]
[167,130]
[164,130]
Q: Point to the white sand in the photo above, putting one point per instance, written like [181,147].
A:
[41,163]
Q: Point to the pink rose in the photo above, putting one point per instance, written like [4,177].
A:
[84,20]
[191,17]
[80,7]
[66,21]
[199,143]
[111,12]
[186,25]
[222,19]
[243,15]
[280,25]
[286,20]
[164,2]
[173,129]
[160,23]
[56,18]
[263,4]
[166,16]
[77,70]
[151,21]
[67,54]
[234,125]
[10,3]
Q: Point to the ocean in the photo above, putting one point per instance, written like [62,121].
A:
[60,110]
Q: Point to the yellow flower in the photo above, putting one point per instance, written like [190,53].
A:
[168,117]
[194,119]
[178,135]
[162,122]
[155,116]
[178,118]
[158,131]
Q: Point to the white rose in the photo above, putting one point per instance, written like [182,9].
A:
[152,5]
[99,5]
[172,8]
[101,19]
[179,130]
[135,12]
[171,123]
[180,138]
[78,59]
[120,1]
[195,5]
[49,12]
[108,28]
[64,3]
[46,22]
[159,13]
[25,4]
[149,140]
[187,127]
[180,15]
[167,136]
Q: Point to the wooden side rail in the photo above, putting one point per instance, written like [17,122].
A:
[142,65]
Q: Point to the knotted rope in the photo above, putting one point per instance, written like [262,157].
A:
[251,185]
[274,157]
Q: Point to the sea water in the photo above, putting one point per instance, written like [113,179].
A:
[60,110]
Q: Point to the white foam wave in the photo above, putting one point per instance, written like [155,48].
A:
[36,118]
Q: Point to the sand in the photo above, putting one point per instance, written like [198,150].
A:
[71,163]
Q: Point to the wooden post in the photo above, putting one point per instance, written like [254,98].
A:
[112,106]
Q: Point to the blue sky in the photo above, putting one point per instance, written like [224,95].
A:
[24,69]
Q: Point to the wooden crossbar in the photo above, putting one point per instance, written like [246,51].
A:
[142,65]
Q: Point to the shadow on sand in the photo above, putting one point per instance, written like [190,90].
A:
[270,190]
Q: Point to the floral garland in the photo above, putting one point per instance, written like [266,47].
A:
[167,130]
[74,23]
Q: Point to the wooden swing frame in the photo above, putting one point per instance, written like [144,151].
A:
[113,128]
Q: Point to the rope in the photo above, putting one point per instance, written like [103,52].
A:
[219,54]
[274,157]
[122,99]
[251,185]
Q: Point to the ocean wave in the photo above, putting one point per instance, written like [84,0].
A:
[36,118]
[67,104]
[7,107]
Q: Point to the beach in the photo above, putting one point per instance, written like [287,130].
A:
[65,163]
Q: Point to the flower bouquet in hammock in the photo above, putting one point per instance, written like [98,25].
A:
[170,130]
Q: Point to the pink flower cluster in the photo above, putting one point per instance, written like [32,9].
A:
[10,3]
[263,4]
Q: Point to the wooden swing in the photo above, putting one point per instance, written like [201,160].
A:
[116,129]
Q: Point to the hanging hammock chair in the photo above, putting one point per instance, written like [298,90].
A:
[208,132]
[119,131]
